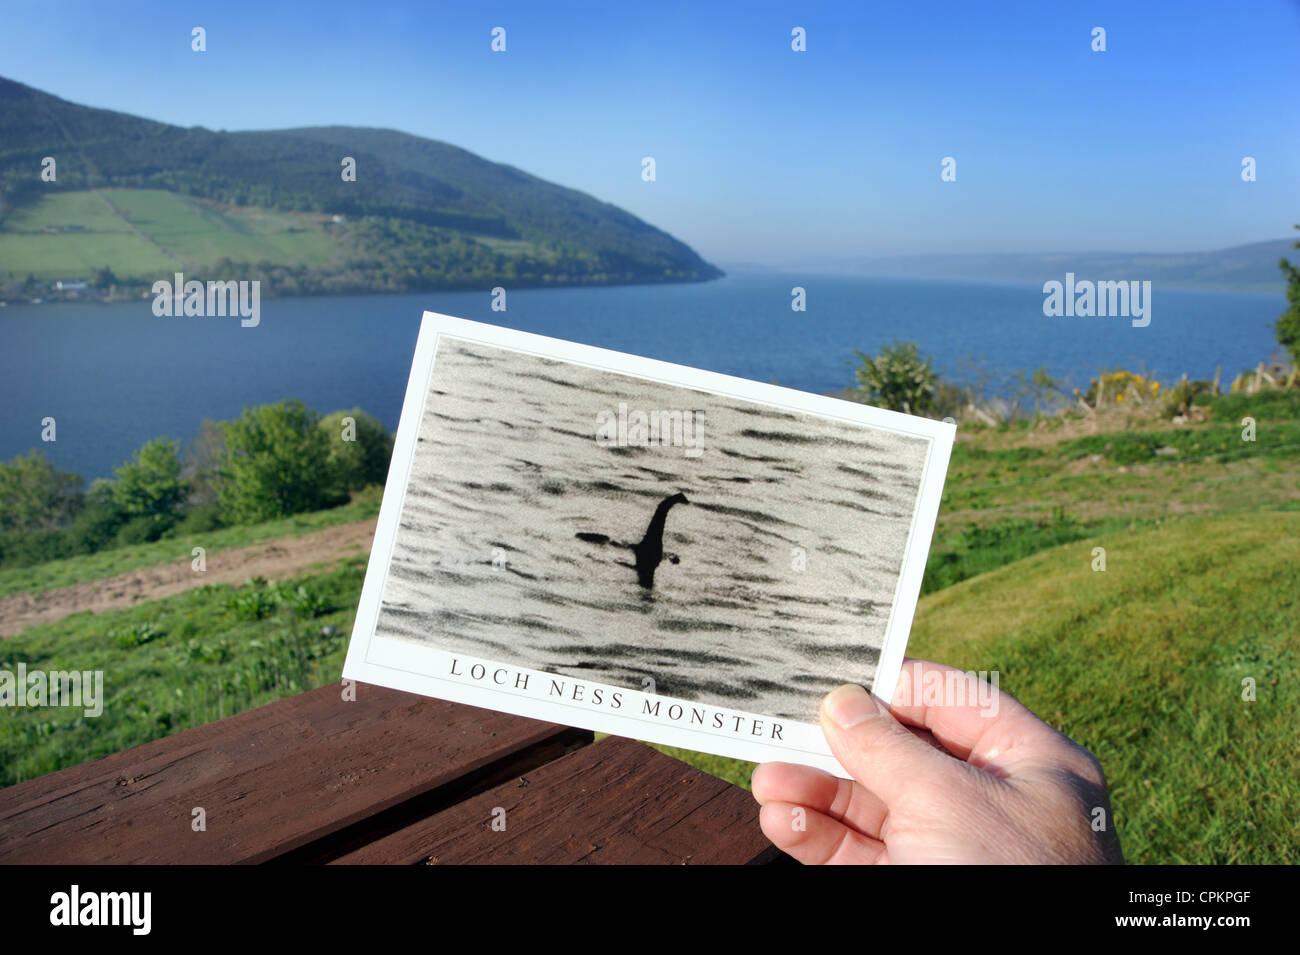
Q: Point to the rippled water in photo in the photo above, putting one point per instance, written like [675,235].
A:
[787,551]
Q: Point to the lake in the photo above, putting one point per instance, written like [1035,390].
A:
[114,376]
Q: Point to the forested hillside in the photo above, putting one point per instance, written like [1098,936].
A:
[420,213]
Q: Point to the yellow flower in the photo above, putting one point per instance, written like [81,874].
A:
[1119,397]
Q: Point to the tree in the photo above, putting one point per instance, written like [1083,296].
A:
[35,495]
[150,483]
[358,452]
[203,458]
[276,463]
[99,521]
[898,379]
[1288,323]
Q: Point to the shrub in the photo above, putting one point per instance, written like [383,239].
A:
[1287,327]
[144,529]
[1180,398]
[99,521]
[196,520]
[252,603]
[35,495]
[359,450]
[899,379]
[150,483]
[276,464]
[1119,387]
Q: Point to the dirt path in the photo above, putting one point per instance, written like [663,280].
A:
[276,559]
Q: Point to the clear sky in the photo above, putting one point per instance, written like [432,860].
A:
[763,154]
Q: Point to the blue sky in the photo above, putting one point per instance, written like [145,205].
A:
[763,155]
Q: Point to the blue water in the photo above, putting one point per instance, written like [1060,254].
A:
[114,376]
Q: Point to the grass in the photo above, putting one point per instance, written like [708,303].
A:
[1143,663]
[179,662]
[1112,477]
[199,232]
[106,239]
[110,563]
[150,233]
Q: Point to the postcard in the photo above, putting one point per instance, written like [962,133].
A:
[641,548]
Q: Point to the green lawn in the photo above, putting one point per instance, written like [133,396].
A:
[1144,664]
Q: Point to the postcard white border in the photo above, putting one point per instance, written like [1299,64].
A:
[407,666]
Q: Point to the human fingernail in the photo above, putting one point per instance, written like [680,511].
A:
[849,705]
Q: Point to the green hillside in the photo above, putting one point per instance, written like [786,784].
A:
[140,198]
[1144,664]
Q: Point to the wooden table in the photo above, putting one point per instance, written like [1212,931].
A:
[388,778]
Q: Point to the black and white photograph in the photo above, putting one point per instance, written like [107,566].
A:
[633,532]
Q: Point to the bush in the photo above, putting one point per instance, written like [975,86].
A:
[898,379]
[253,602]
[35,495]
[1287,327]
[1180,398]
[359,451]
[1119,387]
[276,464]
[144,529]
[150,483]
[196,520]
[99,521]
[25,548]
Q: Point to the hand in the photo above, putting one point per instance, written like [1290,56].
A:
[950,781]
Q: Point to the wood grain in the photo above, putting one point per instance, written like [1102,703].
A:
[616,801]
[303,778]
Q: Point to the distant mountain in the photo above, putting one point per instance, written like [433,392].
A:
[421,213]
[1251,267]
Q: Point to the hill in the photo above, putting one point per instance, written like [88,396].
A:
[1244,268]
[1146,665]
[140,198]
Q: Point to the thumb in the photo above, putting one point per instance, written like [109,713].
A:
[878,751]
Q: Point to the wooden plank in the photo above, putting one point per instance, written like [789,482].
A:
[277,778]
[617,801]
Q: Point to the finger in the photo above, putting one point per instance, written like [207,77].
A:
[878,751]
[816,839]
[974,719]
[841,799]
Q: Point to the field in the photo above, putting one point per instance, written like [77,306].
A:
[149,233]
[1145,662]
